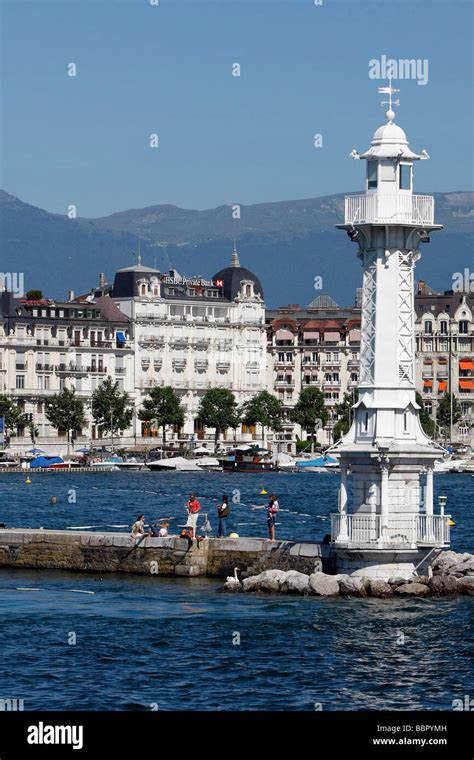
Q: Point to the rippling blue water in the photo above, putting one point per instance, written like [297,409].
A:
[170,642]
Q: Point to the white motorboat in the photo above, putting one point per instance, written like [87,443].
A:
[174,464]
[284,462]
[450,465]
[210,464]
[111,463]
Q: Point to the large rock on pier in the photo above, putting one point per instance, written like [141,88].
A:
[353,586]
[269,580]
[380,589]
[413,589]
[295,583]
[452,563]
[444,584]
[466,585]
[321,584]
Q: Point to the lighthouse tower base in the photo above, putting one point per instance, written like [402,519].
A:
[382,564]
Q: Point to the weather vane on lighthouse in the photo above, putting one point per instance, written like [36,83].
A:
[389,91]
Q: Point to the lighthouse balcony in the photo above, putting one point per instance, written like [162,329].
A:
[404,529]
[375,208]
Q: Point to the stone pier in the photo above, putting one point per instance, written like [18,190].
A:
[172,556]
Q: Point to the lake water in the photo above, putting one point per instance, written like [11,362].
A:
[155,643]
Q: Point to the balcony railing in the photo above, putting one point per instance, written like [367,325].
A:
[431,530]
[372,208]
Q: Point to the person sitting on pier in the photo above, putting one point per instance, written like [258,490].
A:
[193,507]
[138,529]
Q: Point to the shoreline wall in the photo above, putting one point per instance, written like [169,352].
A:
[84,551]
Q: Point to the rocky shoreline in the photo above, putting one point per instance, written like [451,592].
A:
[451,573]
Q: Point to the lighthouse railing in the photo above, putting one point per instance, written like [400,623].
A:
[375,208]
[408,528]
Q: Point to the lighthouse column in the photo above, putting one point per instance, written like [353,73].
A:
[384,501]
[429,527]
[343,527]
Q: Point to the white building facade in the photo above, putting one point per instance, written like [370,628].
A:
[445,357]
[48,345]
[194,334]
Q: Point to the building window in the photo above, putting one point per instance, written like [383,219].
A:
[405,422]
[365,426]
[428,327]
[464,326]
[405,177]
[20,381]
[429,407]
[443,327]
[371,175]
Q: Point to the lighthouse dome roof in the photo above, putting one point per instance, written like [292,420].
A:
[390,133]
[389,141]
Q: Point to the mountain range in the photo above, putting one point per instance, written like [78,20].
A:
[287,244]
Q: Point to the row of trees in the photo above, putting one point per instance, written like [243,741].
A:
[112,411]
[219,410]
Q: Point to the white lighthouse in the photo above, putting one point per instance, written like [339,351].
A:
[390,527]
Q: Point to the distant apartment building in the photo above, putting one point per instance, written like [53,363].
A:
[47,345]
[444,330]
[315,346]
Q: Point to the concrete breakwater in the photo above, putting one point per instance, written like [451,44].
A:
[171,556]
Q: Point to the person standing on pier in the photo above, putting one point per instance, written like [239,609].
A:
[272,510]
[223,512]
[193,507]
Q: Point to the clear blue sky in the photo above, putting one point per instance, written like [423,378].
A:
[223,139]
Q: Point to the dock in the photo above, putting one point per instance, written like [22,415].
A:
[92,552]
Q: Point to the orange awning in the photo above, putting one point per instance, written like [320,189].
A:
[428,383]
[466,385]
[442,385]
[466,364]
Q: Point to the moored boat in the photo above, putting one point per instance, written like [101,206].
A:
[249,459]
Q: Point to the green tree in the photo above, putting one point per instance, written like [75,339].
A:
[33,431]
[66,412]
[310,411]
[111,409]
[345,414]
[12,413]
[163,408]
[444,412]
[263,409]
[218,409]
[34,295]
[427,423]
